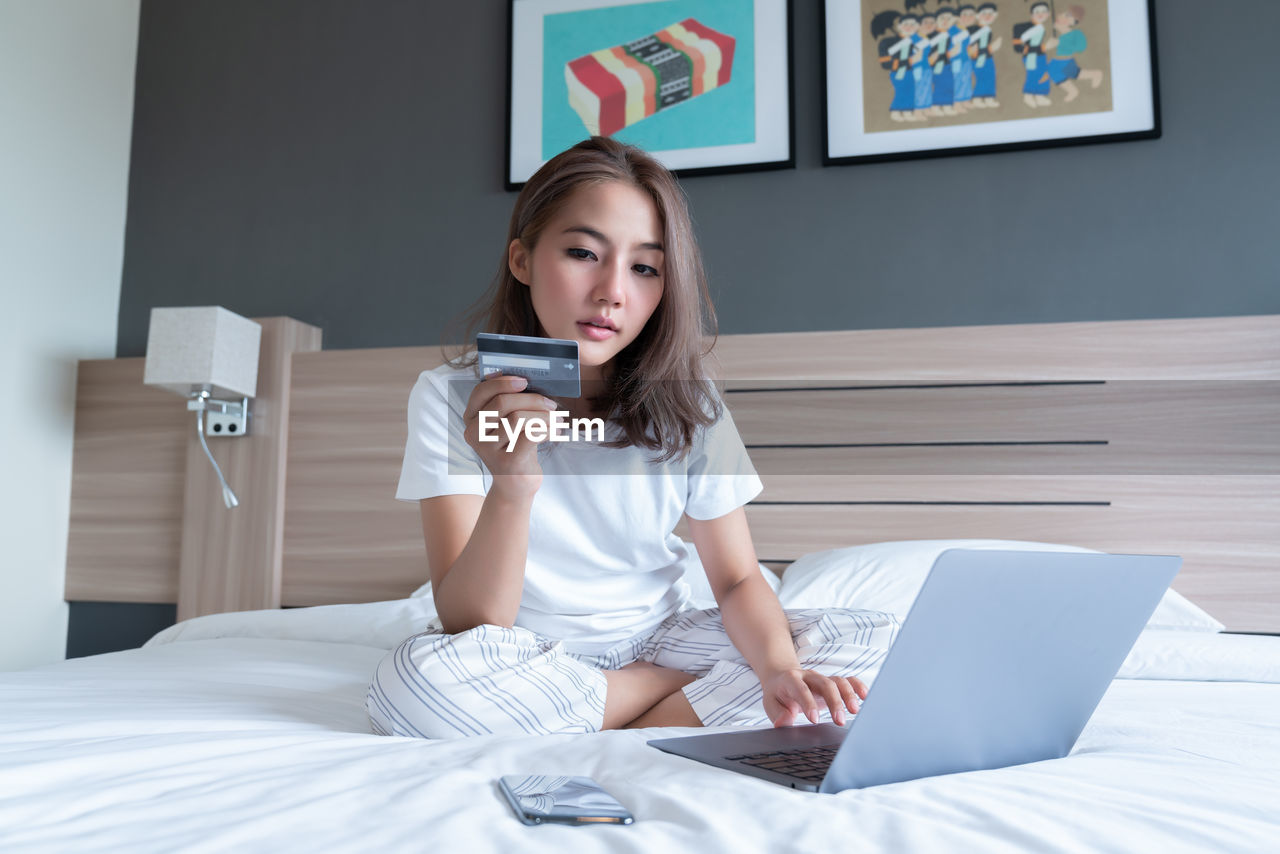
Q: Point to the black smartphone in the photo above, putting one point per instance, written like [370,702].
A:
[539,799]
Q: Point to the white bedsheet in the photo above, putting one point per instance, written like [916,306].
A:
[204,741]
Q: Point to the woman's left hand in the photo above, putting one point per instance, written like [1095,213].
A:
[790,693]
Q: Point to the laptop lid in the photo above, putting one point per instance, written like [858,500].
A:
[1001,661]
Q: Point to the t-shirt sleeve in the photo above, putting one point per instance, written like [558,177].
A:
[437,459]
[721,477]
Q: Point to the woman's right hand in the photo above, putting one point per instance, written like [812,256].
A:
[515,471]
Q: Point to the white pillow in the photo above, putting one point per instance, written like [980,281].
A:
[887,577]
[376,624]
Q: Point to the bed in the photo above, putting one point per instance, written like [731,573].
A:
[242,727]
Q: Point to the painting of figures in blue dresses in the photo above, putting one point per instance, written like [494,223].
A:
[928,78]
[929,63]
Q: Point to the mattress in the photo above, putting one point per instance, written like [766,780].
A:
[247,732]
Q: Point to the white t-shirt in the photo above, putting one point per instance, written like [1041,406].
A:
[603,564]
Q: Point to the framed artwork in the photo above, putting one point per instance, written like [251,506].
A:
[703,85]
[927,78]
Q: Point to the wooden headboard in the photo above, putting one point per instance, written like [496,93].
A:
[1156,436]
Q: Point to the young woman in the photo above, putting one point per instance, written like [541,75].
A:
[559,583]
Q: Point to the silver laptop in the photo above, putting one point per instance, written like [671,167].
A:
[1001,661]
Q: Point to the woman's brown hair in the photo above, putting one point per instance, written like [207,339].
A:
[656,393]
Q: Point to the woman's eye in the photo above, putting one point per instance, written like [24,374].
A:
[645,270]
[582,253]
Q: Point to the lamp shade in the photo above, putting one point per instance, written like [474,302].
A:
[190,348]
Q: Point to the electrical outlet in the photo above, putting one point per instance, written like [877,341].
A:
[225,424]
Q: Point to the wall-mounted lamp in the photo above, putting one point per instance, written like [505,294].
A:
[210,356]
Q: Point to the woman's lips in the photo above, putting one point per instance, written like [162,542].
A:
[596,333]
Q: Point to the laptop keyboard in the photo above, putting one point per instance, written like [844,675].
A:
[807,763]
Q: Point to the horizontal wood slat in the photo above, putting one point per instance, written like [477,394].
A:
[1199,348]
[1002,460]
[988,490]
[1187,427]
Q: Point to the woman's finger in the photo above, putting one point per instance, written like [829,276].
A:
[512,409]
[831,695]
[847,693]
[513,418]
[487,390]
[807,702]
[508,406]
[512,405]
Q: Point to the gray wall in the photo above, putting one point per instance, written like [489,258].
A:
[341,162]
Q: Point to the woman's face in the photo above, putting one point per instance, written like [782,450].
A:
[600,258]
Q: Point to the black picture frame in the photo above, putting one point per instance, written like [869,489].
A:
[779,153]
[1148,129]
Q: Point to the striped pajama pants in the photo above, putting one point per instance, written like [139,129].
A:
[493,679]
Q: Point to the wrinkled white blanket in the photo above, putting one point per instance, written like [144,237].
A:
[246,732]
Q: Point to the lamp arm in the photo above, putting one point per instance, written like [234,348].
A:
[228,497]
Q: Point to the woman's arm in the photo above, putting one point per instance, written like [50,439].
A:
[752,615]
[476,553]
[755,622]
[477,547]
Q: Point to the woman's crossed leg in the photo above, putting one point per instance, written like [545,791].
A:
[686,673]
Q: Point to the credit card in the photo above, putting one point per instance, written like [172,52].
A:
[549,364]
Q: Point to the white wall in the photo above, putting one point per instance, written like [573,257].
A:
[66,115]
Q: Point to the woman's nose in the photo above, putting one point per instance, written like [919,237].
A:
[612,285]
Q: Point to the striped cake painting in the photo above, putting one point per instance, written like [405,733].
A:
[618,86]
